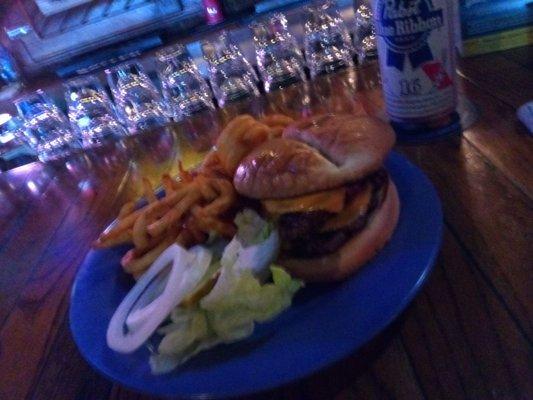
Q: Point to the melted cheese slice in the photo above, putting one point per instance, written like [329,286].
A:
[358,206]
[329,200]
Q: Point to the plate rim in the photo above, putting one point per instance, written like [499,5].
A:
[322,364]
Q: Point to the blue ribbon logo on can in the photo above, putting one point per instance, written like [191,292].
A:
[405,25]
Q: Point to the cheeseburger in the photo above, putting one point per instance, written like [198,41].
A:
[324,182]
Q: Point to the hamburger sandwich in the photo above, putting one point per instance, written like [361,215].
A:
[324,182]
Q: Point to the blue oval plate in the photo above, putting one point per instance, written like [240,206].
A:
[325,323]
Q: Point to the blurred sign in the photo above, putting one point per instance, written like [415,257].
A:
[493,25]
[50,7]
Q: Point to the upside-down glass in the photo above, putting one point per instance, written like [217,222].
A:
[279,59]
[327,42]
[10,81]
[91,111]
[226,44]
[13,148]
[139,103]
[184,89]
[364,32]
[46,128]
[231,75]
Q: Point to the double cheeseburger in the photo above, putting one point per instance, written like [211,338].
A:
[324,182]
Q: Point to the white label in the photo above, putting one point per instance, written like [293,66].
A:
[415,46]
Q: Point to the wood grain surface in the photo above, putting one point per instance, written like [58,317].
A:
[467,335]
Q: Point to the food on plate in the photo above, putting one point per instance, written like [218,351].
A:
[194,206]
[322,180]
[312,195]
[324,183]
[277,123]
[193,299]
[241,135]
[191,209]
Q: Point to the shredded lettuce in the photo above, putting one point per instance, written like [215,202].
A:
[251,228]
[244,300]
[283,280]
[254,247]
[224,315]
[180,336]
[237,301]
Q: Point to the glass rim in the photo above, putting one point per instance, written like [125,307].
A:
[170,52]
[219,40]
[38,92]
[80,80]
[124,64]
[270,17]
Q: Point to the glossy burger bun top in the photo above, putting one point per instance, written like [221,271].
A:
[315,154]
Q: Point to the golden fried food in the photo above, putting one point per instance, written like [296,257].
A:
[196,204]
[189,211]
[237,139]
[276,120]
[138,264]
[277,123]
[240,136]
[170,185]
[212,166]
[126,209]
[149,194]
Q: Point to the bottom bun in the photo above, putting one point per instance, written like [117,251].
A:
[357,251]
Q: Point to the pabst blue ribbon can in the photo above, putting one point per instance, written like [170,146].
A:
[416,55]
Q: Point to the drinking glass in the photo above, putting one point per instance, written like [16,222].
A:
[327,42]
[226,44]
[184,89]
[364,32]
[279,59]
[231,75]
[139,104]
[10,132]
[13,148]
[46,128]
[10,80]
[91,112]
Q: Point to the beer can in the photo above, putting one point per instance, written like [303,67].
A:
[415,41]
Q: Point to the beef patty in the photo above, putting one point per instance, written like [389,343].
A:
[301,234]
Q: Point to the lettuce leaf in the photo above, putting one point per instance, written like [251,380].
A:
[233,311]
[225,315]
[238,299]
[254,247]
[184,337]
[251,228]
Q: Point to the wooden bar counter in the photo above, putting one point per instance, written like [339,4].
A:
[467,335]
